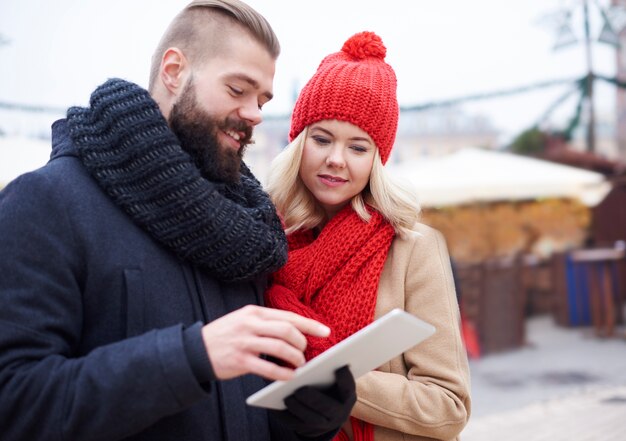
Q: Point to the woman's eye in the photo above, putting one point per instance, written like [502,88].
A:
[235,90]
[321,140]
[359,148]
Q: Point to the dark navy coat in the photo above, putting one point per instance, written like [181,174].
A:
[94,316]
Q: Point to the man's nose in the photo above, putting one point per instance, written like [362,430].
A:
[251,113]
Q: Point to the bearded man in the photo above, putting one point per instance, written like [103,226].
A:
[134,262]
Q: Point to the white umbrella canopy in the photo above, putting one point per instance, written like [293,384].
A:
[476,175]
[19,155]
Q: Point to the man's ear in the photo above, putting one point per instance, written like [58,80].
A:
[174,70]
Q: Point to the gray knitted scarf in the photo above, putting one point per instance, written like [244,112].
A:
[232,231]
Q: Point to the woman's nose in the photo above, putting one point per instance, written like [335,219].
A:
[335,157]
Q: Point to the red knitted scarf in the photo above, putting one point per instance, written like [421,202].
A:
[334,278]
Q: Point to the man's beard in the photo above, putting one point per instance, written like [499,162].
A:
[197,132]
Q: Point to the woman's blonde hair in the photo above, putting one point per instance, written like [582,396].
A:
[298,206]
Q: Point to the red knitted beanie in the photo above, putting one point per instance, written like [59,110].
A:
[353,85]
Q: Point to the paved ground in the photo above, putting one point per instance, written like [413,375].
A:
[565,384]
[598,415]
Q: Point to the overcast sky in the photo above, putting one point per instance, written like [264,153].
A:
[58,51]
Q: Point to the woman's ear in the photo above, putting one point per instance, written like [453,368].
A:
[174,70]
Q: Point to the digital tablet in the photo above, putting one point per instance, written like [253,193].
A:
[363,351]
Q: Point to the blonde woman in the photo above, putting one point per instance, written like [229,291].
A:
[357,251]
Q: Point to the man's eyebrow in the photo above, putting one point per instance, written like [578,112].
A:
[251,81]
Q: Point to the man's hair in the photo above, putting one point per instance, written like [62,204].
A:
[202,29]
[300,209]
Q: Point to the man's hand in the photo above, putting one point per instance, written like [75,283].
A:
[312,411]
[235,342]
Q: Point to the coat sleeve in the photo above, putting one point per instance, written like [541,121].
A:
[426,393]
[47,389]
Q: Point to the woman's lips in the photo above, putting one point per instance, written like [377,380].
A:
[332,181]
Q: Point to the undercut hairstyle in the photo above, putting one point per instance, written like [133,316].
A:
[202,30]
[300,210]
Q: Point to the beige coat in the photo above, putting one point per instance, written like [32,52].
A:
[424,393]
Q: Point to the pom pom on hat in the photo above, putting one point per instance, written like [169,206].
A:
[365,44]
[353,85]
